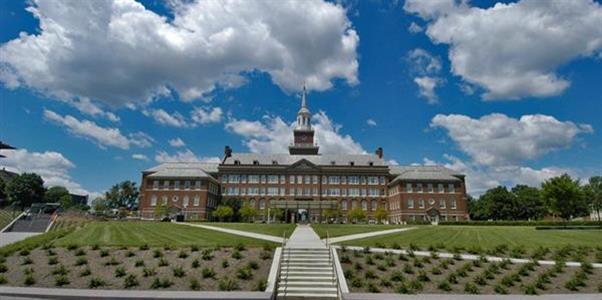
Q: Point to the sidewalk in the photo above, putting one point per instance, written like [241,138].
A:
[13,237]
[366,235]
[253,235]
[304,237]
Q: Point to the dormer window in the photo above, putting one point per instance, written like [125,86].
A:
[255,162]
[237,162]
[274,162]
[371,163]
[333,163]
[351,163]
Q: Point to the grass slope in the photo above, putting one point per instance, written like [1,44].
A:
[153,234]
[269,229]
[486,237]
[6,216]
[347,229]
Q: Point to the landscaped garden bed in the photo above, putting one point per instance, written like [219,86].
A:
[368,272]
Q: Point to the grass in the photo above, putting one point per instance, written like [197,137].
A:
[486,237]
[151,233]
[6,216]
[347,229]
[269,229]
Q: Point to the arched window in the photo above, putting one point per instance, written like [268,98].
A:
[261,204]
[185,201]
[373,205]
[344,204]
[153,200]
[364,205]
[252,203]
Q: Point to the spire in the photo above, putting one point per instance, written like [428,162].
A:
[303,101]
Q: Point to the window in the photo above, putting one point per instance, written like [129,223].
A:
[440,188]
[373,205]
[334,192]
[197,184]
[253,191]
[175,199]
[307,192]
[363,179]
[408,187]
[429,187]
[315,191]
[153,200]
[343,179]
[255,162]
[243,191]
[333,179]
[155,185]
[261,191]
[363,192]
[274,162]
[353,180]
[419,187]
[451,188]
[314,179]
[187,184]
[410,203]
[382,179]
[237,162]
[282,191]
[282,179]
[291,179]
[344,205]
[441,203]
[307,179]
[272,178]
[374,192]
[299,191]
[273,191]
[252,203]
[421,203]
[364,205]
[299,179]
[166,184]
[261,203]
[262,179]
[164,200]
[291,191]
[253,178]
[176,185]
[185,201]
[453,203]
[243,178]
[233,178]
[354,204]
[373,180]
[196,201]
[324,180]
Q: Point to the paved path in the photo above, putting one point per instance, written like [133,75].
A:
[305,237]
[12,237]
[367,235]
[254,235]
[361,296]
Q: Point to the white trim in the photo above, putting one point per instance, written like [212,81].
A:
[12,222]
[341,276]
[273,275]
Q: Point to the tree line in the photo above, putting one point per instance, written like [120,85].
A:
[559,197]
[28,188]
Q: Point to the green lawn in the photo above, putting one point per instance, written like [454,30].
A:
[486,237]
[346,229]
[269,229]
[153,234]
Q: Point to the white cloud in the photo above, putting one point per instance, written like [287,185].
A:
[392,162]
[274,135]
[120,53]
[497,140]
[52,166]
[513,50]
[427,86]
[177,142]
[371,122]
[184,156]
[85,106]
[415,28]
[206,116]
[162,117]
[102,136]
[138,156]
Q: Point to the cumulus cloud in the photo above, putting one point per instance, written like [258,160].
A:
[121,53]
[497,139]
[103,136]
[177,142]
[415,28]
[184,156]
[426,67]
[52,166]
[169,119]
[426,87]
[513,50]
[274,135]
[206,116]
[371,122]
[138,156]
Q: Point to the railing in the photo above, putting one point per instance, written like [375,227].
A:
[279,273]
[335,273]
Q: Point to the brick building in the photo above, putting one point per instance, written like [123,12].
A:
[304,184]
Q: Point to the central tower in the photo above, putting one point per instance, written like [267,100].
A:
[303,134]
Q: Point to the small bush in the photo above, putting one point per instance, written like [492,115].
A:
[457,256]
[253,265]
[112,262]
[369,260]
[24,252]
[444,286]
[396,245]
[225,263]
[81,261]
[194,284]
[130,253]
[471,288]
[80,252]
[85,272]
[530,289]
[3,268]
[53,260]
[104,253]
[369,274]
[96,282]
[397,276]
[130,281]
[261,285]
[95,247]
[50,252]
[208,273]
[415,285]
[227,284]
[265,255]
[144,247]
[236,254]
[178,272]
[157,253]
[349,274]
[381,267]
[451,278]
[61,280]
[240,247]
[418,263]
[29,280]
[357,282]
[60,270]
[147,272]
[408,269]
[402,257]
[28,271]
[182,254]
[422,276]
[372,288]
[436,271]
[139,263]
[71,247]
[385,283]
[358,266]
[587,267]
[480,280]
[207,254]
[345,259]
[26,261]
[163,262]
[161,283]
[500,289]
[3,279]
[403,288]
[120,271]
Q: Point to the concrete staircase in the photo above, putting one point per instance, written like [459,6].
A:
[307,274]
[35,223]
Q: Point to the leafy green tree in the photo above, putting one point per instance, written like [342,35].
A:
[499,204]
[275,213]
[100,204]
[25,189]
[2,189]
[124,194]
[565,197]
[58,194]
[248,213]
[160,210]
[331,214]
[530,203]
[235,204]
[381,214]
[356,215]
[593,192]
[223,212]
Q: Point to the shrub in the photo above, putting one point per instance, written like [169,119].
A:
[139,263]
[369,260]
[390,262]
[130,281]
[195,264]
[357,282]
[3,268]
[112,262]
[418,263]
[208,273]
[436,271]
[530,289]
[369,274]
[505,263]
[130,253]
[422,276]
[71,247]
[471,288]
[253,265]
[397,276]
[95,247]
[403,288]
[408,269]
[53,260]
[587,267]
[600,287]
[488,274]
[157,253]
[144,247]
[349,274]
[60,270]
[358,266]
[265,255]
[236,254]
[26,261]
[194,248]
[28,271]
[80,252]
[402,257]
[395,245]
[381,267]
[182,254]
[47,246]
[85,272]
[457,256]
[415,285]
[240,247]
[50,252]
[104,253]
[29,280]
[378,256]
[227,284]
[444,286]
[96,282]
[178,272]
[3,279]
[372,288]
[161,283]
[385,283]
[194,284]
[476,263]
[61,280]
[146,272]
[163,262]
[24,252]
[434,255]
[261,285]
[451,278]
[207,254]
[499,289]
[572,285]
[480,280]
[345,259]
[81,261]
[225,263]
[120,271]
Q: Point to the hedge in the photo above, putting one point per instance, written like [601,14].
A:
[523,223]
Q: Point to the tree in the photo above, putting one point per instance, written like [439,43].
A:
[381,214]
[160,210]
[2,189]
[593,193]
[223,212]
[235,204]
[58,194]
[25,189]
[275,213]
[500,204]
[100,204]
[565,197]
[248,213]
[530,203]
[331,214]
[356,215]
[124,194]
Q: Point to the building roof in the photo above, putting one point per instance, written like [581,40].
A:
[7,175]
[183,170]
[320,160]
[423,173]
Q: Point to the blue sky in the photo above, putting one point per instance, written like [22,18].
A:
[94,95]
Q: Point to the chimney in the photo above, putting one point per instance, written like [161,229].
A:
[227,151]
[379,152]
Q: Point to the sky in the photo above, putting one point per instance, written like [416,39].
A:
[94,92]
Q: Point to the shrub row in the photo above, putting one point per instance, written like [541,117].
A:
[523,223]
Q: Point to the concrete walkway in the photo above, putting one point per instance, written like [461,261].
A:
[253,235]
[305,237]
[361,296]
[12,237]
[367,235]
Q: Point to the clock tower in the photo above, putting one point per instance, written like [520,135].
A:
[303,143]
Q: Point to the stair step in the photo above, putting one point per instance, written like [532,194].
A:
[293,296]
[309,273]
[306,268]
[306,278]
[308,289]
[290,284]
